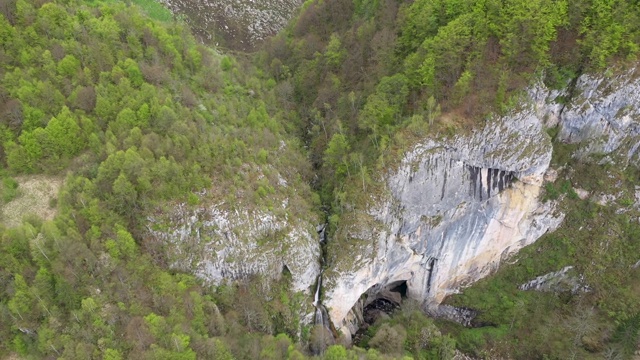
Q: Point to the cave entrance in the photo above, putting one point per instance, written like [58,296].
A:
[286,273]
[393,292]
[381,302]
[400,288]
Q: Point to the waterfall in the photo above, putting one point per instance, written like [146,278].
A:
[316,299]
[320,309]
[321,317]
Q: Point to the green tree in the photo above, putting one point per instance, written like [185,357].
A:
[7,32]
[133,72]
[389,340]
[335,53]
[112,354]
[335,352]
[22,304]
[64,134]
[124,195]
[336,155]
[68,66]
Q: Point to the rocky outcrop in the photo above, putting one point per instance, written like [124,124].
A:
[455,209]
[462,316]
[219,243]
[557,281]
[602,113]
[241,23]
[458,207]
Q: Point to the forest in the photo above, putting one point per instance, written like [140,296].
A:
[117,101]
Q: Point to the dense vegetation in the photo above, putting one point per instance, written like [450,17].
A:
[137,117]
[369,78]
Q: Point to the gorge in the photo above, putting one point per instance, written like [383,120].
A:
[327,179]
[456,207]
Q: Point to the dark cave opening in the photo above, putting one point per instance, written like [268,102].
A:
[377,308]
[401,288]
[285,270]
[380,304]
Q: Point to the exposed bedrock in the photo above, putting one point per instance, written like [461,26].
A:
[603,114]
[455,209]
[458,207]
[219,243]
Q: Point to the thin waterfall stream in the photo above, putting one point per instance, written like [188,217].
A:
[321,317]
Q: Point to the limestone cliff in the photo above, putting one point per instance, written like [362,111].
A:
[455,209]
[225,241]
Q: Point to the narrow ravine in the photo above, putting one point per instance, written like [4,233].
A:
[321,316]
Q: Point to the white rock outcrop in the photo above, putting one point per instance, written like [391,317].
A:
[456,208]
[248,22]
[557,281]
[603,114]
[218,244]
[453,209]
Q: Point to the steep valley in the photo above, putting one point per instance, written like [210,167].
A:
[428,179]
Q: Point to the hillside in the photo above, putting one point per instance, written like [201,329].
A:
[164,199]
[391,97]
[139,120]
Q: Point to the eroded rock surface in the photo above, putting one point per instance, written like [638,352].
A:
[453,209]
[456,208]
[558,281]
[603,114]
[220,244]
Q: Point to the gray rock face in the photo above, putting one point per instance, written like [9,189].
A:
[241,23]
[603,114]
[456,208]
[218,244]
[557,281]
[462,316]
